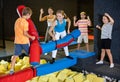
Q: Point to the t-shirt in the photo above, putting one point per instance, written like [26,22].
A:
[20,26]
[49,18]
[83,25]
[106,31]
[60,27]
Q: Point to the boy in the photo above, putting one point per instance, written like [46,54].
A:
[83,24]
[21,36]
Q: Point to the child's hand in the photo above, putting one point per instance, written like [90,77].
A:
[68,31]
[41,11]
[53,38]
[74,18]
[106,14]
[88,17]
[97,26]
[33,37]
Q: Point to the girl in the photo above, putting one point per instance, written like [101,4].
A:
[58,27]
[50,18]
[106,36]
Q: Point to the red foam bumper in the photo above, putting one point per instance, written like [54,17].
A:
[20,76]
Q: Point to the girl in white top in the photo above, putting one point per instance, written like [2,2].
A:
[49,18]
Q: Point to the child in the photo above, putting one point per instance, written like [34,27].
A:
[50,18]
[58,27]
[106,36]
[83,24]
[21,36]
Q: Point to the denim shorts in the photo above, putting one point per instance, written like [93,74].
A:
[20,47]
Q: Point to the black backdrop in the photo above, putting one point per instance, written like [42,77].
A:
[2,38]
[111,7]
[71,7]
[10,14]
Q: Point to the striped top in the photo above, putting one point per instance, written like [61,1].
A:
[83,25]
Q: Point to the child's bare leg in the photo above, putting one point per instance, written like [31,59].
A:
[78,46]
[102,54]
[13,61]
[109,55]
[87,46]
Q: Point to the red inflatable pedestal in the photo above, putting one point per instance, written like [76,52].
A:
[35,53]
[20,76]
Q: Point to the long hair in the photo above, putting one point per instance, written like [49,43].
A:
[63,13]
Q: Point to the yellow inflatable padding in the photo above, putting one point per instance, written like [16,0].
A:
[90,77]
[9,66]
[53,74]
[72,73]
[4,63]
[18,66]
[69,79]
[35,79]
[79,77]
[53,79]
[43,78]
[43,61]
[62,75]
[25,60]
[2,69]
[98,79]
[20,61]
[87,80]
[25,66]
[7,72]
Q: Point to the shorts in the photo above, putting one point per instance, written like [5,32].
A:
[83,38]
[20,47]
[106,43]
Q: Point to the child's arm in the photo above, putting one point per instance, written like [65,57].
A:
[29,36]
[89,21]
[69,24]
[74,19]
[42,18]
[110,18]
[98,27]
[51,30]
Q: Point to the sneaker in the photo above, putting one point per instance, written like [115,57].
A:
[45,53]
[52,61]
[99,62]
[11,71]
[111,65]
[69,57]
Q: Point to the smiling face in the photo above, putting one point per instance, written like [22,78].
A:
[59,16]
[105,19]
[50,11]
[83,16]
